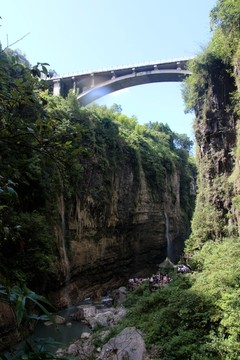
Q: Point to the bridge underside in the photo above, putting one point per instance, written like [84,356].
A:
[113,85]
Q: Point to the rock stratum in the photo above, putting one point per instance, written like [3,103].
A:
[126,237]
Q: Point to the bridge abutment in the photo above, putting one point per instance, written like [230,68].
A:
[57,87]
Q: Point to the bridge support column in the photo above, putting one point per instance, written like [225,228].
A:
[74,85]
[92,81]
[179,66]
[57,87]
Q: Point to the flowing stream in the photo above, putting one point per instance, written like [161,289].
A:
[65,334]
[52,337]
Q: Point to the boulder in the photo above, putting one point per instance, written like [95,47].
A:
[72,350]
[120,295]
[119,314]
[129,344]
[107,318]
[8,330]
[7,318]
[60,352]
[85,349]
[85,335]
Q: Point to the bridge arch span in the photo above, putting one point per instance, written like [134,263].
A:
[128,81]
[94,85]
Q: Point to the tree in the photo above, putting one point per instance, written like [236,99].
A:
[182,141]
[116,108]
[225,20]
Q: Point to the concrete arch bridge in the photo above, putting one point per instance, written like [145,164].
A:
[92,85]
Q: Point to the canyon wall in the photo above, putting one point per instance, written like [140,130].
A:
[217,137]
[126,236]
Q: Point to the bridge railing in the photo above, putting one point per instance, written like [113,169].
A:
[119,67]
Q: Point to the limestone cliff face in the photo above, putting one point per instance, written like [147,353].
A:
[216,125]
[124,236]
[216,137]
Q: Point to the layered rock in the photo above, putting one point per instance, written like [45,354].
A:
[125,236]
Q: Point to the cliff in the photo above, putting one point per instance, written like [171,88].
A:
[90,197]
[216,213]
[122,220]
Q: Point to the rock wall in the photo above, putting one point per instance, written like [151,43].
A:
[215,127]
[124,237]
[216,140]
[8,331]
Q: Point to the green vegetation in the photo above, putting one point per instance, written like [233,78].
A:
[51,146]
[196,316]
[51,149]
[33,150]
[27,306]
[19,299]
[211,92]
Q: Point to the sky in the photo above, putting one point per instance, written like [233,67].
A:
[83,35]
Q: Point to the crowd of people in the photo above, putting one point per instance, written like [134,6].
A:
[157,280]
[184,268]
[154,282]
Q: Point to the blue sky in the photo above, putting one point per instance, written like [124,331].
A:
[82,35]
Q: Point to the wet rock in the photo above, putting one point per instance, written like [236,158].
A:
[59,320]
[72,350]
[84,312]
[60,353]
[85,335]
